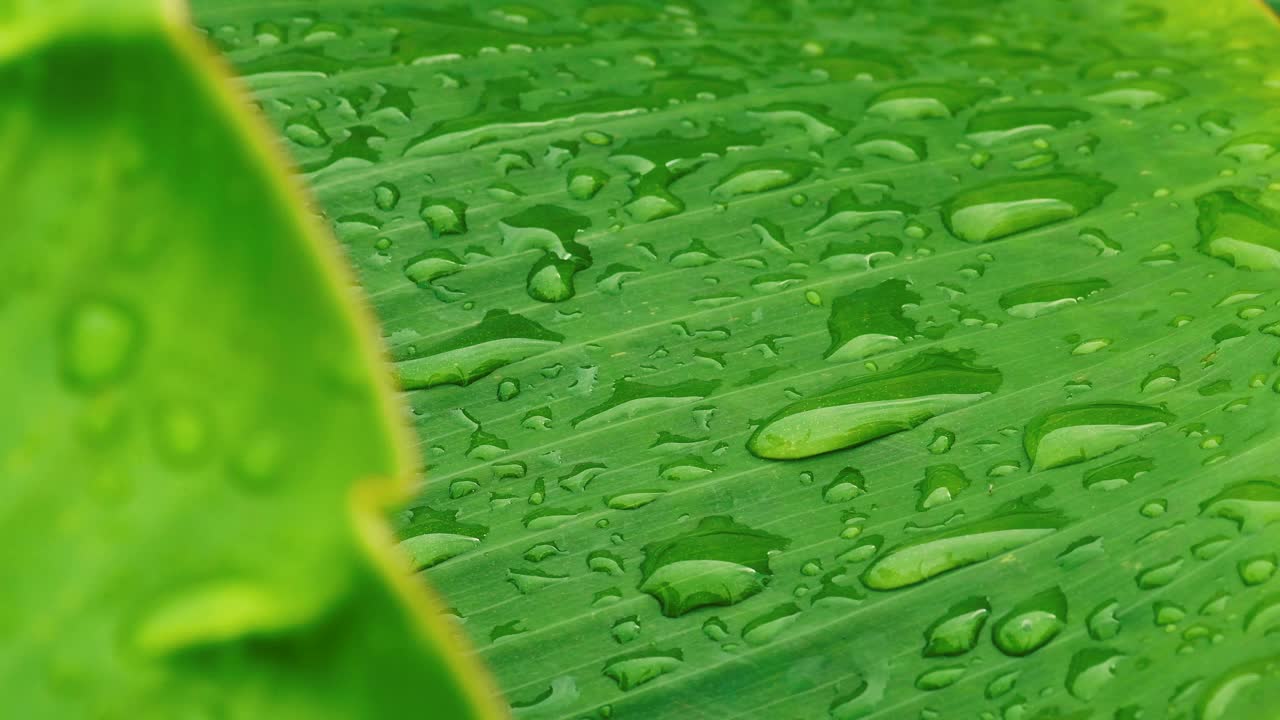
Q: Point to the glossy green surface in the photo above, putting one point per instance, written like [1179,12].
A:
[649,270]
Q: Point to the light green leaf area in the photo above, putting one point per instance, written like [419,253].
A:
[198,435]
[830,359]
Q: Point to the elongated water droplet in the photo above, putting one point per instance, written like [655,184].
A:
[924,100]
[1252,504]
[1013,525]
[1010,206]
[498,340]
[631,399]
[761,175]
[1118,474]
[637,668]
[923,387]
[1038,299]
[846,212]
[1004,124]
[900,147]
[431,265]
[939,678]
[764,628]
[430,536]
[1139,94]
[1234,226]
[1077,433]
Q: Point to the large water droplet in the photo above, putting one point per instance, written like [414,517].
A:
[1077,433]
[956,632]
[871,320]
[1090,670]
[1013,525]
[637,668]
[98,342]
[431,536]
[924,100]
[1042,298]
[1236,228]
[499,339]
[720,562]
[874,406]
[1010,206]
[1031,624]
[1000,125]
[631,399]
[1252,504]
[941,484]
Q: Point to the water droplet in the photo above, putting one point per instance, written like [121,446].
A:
[847,485]
[1159,575]
[444,216]
[1011,526]
[635,669]
[1004,124]
[956,632]
[1118,474]
[924,100]
[720,562]
[430,536]
[1161,378]
[1082,432]
[846,213]
[761,175]
[844,253]
[1090,670]
[1031,624]
[899,147]
[870,321]
[422,269]
[1102,622]
[1236,228]
[386,196]
[631,399]
[532,580]
[584,183]
[1011,206]
[98,343]
[939,678]
[1139,94]
[1257,570]
[764,628]
[498,340]
[942,441]
[941,484]
[1252,504]
[870,407]
[1042,298]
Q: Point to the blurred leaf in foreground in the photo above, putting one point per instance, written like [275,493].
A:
[199,439]
[839,358]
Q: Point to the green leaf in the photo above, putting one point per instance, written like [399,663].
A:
[820,359]
[200,438]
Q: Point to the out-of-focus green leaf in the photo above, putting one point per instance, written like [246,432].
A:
[826,359]
[198,435]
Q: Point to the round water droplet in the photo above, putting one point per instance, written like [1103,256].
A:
[98,343]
